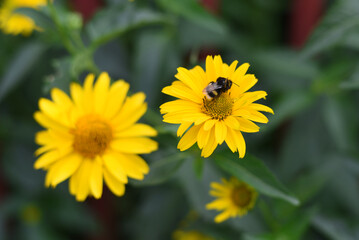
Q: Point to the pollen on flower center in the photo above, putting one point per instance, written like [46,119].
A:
[241,196]
[219,107]
[92,135]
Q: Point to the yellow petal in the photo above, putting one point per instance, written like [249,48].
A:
[64,168]
[83,188]
[180,90]
[134,165]
[231,69]
[180,105]
[88,93]
[187,78]
[47,122]
[220,132]
[238,141]
[96,179]
[210,70]
[117,187]
[182,128]
[240,72]
[200,76]
[209,124]
[218,66]
[243,84]
[77,96]
[74,182]
[101,90]
[134,145]
[125,121]
[246,125]
[189,138]
[50,157]
[210,146]
[117,95]
[114,166]
[260,107]
[232,122]
[203,137]
[61,99]
[137,130]
[223,216]
[133,108]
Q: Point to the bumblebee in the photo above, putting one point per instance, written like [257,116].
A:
[215,89]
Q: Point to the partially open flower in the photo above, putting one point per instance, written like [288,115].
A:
[234,198]
[15,23]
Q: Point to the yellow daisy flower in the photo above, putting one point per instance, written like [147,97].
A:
[15,23]
[190,235]
[93,136]
[235,198]
[211,120]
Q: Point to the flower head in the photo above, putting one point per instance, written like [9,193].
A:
[190,235]
[234,198]
[214,106]
[93,136]
[15,23]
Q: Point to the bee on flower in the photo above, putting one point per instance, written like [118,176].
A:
[214,106]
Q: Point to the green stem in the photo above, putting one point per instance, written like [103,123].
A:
[64,38]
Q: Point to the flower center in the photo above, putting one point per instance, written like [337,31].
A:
[92,135]
[219,107]
[241,196]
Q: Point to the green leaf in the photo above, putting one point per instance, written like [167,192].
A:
[334,229]
[115,21]
[290,104]
[19,66]
[194,12]
[339,22]
[336,122]
[41,19]
[255,173]
[198,165]
[308,185]
[161,170]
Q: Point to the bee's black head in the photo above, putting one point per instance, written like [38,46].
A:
[221,81]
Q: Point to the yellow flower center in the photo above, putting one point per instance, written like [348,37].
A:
[92,135]
[241,196]
[219,107]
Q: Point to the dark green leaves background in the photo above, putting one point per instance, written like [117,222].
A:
[304,162]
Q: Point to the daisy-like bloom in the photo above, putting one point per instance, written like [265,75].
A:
[93,136]
[190,235]
[15,23]
[234,198]
[210,122]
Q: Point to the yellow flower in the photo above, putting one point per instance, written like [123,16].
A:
[210,122]
[93,136]
[235,198]
[15,23]
[190,235]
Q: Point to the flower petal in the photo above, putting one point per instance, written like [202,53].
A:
[189,138]
[117,187]
[138,145]
[96,178]
[220,132]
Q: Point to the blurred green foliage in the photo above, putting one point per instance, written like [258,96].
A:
[306,163]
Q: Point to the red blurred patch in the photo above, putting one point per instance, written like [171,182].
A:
[212,6]
[305,16]
[87,8]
